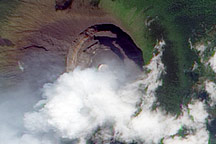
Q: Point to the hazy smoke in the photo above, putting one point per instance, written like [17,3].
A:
[13,105]
[93,104]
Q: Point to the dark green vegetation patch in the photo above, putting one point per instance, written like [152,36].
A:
[174,21]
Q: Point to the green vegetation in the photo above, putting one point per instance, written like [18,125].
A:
[175,21]
[212,130]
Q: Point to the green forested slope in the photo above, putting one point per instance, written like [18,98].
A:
[175,21]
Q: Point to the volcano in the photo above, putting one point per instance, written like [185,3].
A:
[41,47]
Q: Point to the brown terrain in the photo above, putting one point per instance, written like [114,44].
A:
[38,43]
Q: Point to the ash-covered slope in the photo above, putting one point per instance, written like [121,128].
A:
[35,39]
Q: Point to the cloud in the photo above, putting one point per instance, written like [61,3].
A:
[78,103]
[210,87]
[82,101]
[95,104]
[212,62]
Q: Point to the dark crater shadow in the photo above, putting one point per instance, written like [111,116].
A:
[124,41]
[102,40]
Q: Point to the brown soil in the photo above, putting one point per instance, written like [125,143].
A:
[42,37]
